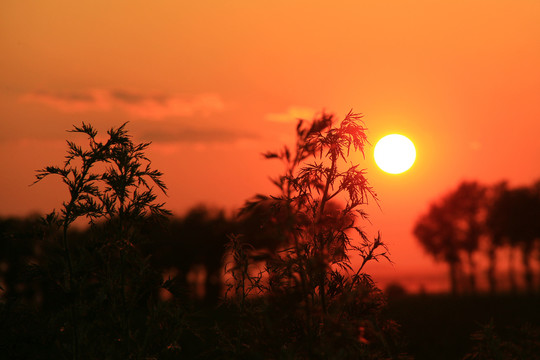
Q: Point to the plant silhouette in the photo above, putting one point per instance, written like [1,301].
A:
[293,263]
[285,279]
[309,269]
[111,181]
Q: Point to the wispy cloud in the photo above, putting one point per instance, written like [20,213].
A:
[292,114]
[92,100]
[155,106]
[193,135]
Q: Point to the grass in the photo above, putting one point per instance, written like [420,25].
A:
[439,326]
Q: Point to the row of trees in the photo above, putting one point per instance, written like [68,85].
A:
[478,219]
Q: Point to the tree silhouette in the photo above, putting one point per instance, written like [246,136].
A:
[514,219]
[535,191]
[192,243]
[454,227]
[437,235]
[523,227]
[496,221]
[468,209]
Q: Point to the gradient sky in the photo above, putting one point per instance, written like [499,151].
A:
[214,83]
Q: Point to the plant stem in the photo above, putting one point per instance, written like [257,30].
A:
[124,302]
[321,242]
[71,292]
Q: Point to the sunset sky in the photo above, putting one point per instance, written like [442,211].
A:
[214,83]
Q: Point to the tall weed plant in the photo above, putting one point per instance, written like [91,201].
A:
[105,280]
[306,298]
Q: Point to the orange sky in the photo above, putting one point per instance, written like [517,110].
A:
[214,83]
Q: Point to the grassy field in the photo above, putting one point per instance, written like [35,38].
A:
[443,326]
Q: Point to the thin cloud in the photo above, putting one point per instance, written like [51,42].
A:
[92,100]
[292,114]
[155,106]
[192,135]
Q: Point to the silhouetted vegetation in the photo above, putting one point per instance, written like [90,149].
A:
[470,326]
[111,182]
[136,283]
[277,280]
[319,304]
[476,219]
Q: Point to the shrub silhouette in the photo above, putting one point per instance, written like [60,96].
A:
[111,181]
[314,300]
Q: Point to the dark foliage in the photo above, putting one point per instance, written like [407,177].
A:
[122,287]
[475,218]
[304,287]
[472,326]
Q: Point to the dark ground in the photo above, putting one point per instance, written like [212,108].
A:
[440,326]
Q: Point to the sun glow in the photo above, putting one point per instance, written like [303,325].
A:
[394,153]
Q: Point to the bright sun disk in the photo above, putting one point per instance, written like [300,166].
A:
[395,153]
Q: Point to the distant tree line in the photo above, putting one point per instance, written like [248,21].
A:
[476,221]
[189,251]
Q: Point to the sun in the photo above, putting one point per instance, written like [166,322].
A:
[395,153]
